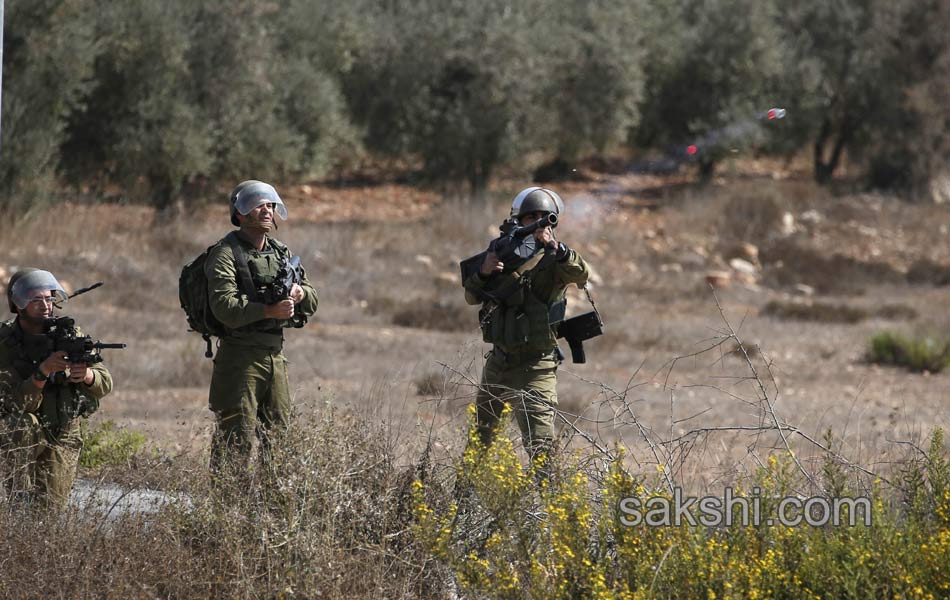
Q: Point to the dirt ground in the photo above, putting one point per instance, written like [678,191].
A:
[393,337]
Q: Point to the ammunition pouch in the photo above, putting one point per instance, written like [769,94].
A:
[528,325]
[506,326]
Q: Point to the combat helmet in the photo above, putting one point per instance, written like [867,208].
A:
[13,279]
[536,199]
[252,193]
[26,280]
[233,197]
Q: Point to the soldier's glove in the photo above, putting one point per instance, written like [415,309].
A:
[562,252]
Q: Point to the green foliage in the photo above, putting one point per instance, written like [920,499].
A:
[570,540]
[453,84]
[594,74]
[161,98]
[917,354]
[48,52]
[914,146]
[191,90]
[109,445]
[850,66]
[705,84]
[139,125]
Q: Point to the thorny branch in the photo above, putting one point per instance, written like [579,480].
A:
[676,448]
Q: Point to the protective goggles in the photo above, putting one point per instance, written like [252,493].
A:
[27,287]
[259,193]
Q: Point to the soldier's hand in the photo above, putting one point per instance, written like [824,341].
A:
[491,264]
[80,372]
[282,310]
[296,294]
[546,237]
[54,363]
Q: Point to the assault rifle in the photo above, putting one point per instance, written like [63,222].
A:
[63,336]
[515,246]
[288,275]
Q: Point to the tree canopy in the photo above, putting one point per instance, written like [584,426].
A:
[159,97]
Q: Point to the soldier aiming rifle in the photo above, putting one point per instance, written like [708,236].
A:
[51,376]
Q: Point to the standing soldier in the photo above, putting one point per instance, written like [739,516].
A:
[250,392]
[520,306]
[42,395]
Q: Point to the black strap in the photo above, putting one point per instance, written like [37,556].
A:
[590,299]
[547,259]
[282,251]
[245,282]
[522,280]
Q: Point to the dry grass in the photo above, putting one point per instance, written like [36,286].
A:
[376,341]
[666,382]
[823,312]
[391,306]
[336,525]
[929,272]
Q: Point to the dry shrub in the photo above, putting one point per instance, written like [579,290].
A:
[740,351]
[896,312]
[788,263]
[926,271]
[751,216]
[815,311]
[328,515]
[600,531]
[822,312]
[920,355]
[430,384]
[439,315]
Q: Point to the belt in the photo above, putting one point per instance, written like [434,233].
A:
[258,339]
[520,358]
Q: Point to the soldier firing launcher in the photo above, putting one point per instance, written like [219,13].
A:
[513,247]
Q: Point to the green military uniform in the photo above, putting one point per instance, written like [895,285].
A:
[250,392]
[39,429]
[521,368]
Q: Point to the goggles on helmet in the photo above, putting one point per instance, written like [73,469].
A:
[256,194]
[25,289]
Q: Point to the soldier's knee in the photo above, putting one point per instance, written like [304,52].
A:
[233,423]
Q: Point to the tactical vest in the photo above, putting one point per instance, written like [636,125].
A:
[62,402]
[525,321]
[263,266]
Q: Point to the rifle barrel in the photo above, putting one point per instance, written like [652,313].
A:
[550,220]
[85,289]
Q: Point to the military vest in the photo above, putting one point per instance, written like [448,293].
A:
[263,266]
[63,401]
[525,320]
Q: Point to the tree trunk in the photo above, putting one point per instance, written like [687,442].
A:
[822,174]
[824,170]
[707,167]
